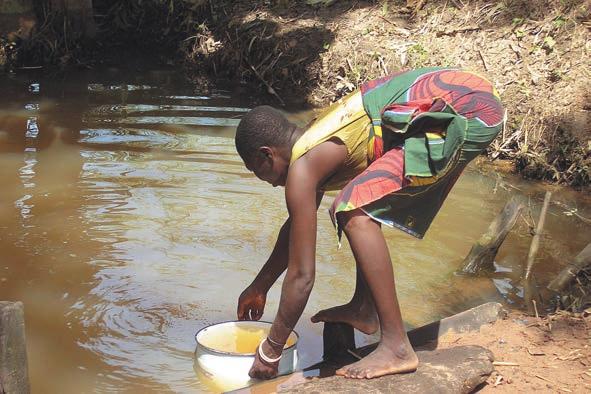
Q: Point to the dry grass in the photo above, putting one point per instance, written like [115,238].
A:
[537,53]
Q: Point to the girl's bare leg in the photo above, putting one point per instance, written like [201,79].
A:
[360,312]
[394,353]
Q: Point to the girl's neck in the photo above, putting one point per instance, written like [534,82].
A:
[296,133]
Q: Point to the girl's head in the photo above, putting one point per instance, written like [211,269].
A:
[263,140]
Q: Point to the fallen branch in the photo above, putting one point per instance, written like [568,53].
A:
[569,273]
[544,379]
[553,383]
[453,32]
[504,364]
[513,137]
[483,61]
[269,87]
[483,252]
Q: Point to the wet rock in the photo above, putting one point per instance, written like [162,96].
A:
[455,370]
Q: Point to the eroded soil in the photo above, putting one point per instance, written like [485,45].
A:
[550,354]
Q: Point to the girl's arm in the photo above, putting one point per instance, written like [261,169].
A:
[305,176]
[252,301]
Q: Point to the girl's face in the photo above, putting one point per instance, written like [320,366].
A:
[269,166]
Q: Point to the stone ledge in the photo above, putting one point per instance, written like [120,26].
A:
[455,370]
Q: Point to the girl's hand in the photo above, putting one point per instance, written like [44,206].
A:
[261,369]
[251,303]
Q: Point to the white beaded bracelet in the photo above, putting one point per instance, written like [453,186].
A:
[264,357]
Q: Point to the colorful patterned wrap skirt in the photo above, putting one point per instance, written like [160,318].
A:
[427,125]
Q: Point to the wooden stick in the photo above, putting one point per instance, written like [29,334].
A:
[269,87]
[483,61]
[535,243]
[543,378]
[535,308]
[457,30]
[569,273]
[531,292]
[514,136]
[505,364]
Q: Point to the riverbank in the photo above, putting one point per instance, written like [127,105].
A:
[548,354]
[536,53]
[310,53]
[499,351]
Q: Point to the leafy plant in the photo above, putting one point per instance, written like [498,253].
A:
[418,55]
[548,44]
[559,21]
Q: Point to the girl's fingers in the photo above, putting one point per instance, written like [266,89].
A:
[245,312]
[248,312]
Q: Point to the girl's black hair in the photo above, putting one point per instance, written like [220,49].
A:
[262,126]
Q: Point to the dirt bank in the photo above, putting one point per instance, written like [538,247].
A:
[550,354]
[535,52]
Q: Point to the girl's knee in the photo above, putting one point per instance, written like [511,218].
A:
[350,221]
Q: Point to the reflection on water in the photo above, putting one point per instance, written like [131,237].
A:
[128,223]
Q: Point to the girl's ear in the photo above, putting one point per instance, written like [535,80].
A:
[266,151]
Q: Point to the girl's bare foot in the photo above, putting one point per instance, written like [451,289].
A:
[361,315]
[383,361]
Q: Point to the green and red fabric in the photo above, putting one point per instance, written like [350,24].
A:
[427,124]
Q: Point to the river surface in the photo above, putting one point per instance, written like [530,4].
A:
[128,222]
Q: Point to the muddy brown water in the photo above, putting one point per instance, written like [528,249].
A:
[127,223]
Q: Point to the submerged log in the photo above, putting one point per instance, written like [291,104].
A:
[14,377]
[569,273]
[483,252]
